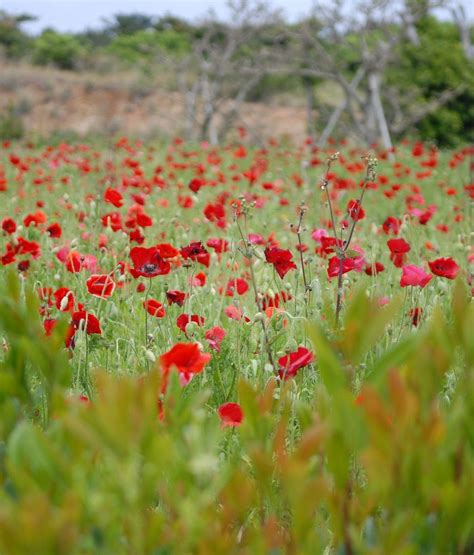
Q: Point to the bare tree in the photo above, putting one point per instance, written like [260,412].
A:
[371,32]
[225,64]
[461,20]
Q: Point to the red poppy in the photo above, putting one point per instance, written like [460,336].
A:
[256,239]
[101,285]
[238,285]
[148,262]
[274,301]
[444,267]
[398,246]
[391,225]
[82,320]
[215,213]
[281,259]
[112,196]
[34,219]
[54,231]
[49,324]
[374,269]
[167,251]
[234,312]
[328,244]
[415,276]
[415,315]
[334,266]
[74,262]
[355,210]
[154,308]
[199,280]
[186,357]
[8,225]
[196,251]
[112,220]
[23,265]
[214,337]
[64,299]
[219,245]
[28,247]
[231,414]
[176,297]
[291,363]
[195,184]
[398,249]
[144,220]
[184,319]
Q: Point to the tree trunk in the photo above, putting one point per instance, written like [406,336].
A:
[379,114]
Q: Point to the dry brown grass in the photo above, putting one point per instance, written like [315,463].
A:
[50,100]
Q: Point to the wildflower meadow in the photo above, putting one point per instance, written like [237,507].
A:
[236,349]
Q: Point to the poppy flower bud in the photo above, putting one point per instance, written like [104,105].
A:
[64,303]
[291,345]
[268,368]
[271,293]
[57,277]
[150,356]
[113,310]
[191,327]
[122,278]
[259,317]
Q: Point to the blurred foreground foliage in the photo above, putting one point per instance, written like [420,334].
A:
[383,464]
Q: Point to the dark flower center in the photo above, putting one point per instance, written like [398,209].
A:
[149,268]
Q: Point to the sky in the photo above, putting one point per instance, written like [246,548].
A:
[77,15]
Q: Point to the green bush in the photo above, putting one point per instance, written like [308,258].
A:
[436,65]
[13,41]
[147,45]
[11,124]
[58,49]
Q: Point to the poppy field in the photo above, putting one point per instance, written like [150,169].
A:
[236,349]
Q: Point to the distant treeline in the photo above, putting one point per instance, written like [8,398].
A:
[398,74]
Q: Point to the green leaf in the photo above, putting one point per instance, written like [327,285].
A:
[329,364]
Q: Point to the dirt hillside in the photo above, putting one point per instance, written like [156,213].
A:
[50,100]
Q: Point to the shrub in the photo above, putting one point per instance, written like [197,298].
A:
[11,124]
[58,49]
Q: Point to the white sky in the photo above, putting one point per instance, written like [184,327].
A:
[76,15]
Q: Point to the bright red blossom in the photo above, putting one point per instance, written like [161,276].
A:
[112,196]
[185,357]
[154,308]
[291,363]
[444,267]
[231,414]
[184,319]
[9,225]
[281,259]
[355,210]
[101,285]
[415,276]
[148,262]
[88,322]
[214,337]
[176,297]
